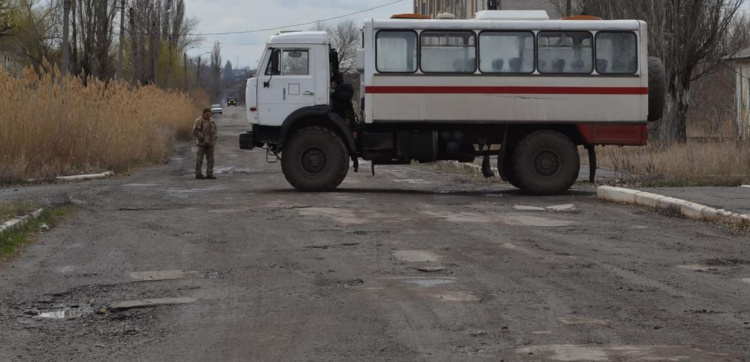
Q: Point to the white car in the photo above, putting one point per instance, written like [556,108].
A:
[216,108]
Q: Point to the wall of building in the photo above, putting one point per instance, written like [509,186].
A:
[467,8]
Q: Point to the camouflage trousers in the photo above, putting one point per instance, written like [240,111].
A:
[208,152]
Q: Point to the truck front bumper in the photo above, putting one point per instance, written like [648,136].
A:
[247,140]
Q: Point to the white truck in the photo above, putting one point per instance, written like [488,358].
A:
[515,85]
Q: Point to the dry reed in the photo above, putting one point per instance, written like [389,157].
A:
[692,164]
[50,125]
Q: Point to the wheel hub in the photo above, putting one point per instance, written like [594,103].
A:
[314,160]
[547,164]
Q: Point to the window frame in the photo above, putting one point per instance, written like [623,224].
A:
[476,50]
[535,51]
[593,53]
[377,48]
[637,53]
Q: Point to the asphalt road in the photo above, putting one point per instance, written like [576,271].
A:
[271,274]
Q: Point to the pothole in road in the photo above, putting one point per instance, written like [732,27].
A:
[569,352]
[417,256]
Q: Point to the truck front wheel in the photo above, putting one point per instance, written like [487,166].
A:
[546,162]
[314,159]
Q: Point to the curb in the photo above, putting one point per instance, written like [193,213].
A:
[94,176]
[688,209]
[19,221]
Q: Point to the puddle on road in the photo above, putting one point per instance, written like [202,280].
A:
[698,267]
[746,280]
[67,313]
[583,321]
[415,181]
[511,220]
[157,275]
[139,185]
[570,352]
[428,283]
[417,256]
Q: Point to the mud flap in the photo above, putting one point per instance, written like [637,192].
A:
[592,163]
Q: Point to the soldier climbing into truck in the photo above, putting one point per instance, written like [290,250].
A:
[511,84]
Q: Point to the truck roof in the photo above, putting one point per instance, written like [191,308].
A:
[473,24]
[299,37]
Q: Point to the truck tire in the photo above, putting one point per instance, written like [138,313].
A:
[656,89]
[546,163]
[314,159]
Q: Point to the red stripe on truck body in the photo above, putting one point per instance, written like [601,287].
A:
[506,90]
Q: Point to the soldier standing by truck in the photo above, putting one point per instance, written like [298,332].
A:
[205,132]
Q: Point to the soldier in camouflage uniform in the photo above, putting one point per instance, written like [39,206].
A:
[205,131]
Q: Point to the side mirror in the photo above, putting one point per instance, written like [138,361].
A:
[273,67]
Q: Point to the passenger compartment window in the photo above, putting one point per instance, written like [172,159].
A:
[566,53]
[506,52]
[616,53]
[448,52]
[396,52]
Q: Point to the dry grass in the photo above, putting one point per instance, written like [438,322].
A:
[52,127]
[693,164]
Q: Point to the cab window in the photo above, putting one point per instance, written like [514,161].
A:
[295,62]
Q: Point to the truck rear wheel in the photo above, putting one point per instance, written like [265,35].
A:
[546,163]
[314,159]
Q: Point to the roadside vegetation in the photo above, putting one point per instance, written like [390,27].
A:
[55,125]
[13,239]
[696,164]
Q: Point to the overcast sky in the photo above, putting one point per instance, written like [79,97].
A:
[240,15]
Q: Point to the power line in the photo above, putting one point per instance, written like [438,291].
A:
[300,24]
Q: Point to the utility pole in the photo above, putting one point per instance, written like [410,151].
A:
[122,39]
[66,30]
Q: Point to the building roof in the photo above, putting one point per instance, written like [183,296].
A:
[743,54]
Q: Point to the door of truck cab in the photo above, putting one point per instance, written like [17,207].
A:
[287,83]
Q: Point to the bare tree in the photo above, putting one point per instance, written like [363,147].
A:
[689,36]
[7,8]
[33,36]
[95,22]
[216,71]
[345,38]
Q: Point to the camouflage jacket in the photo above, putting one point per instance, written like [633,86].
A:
[205,132]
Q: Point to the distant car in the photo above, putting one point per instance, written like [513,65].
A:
[216,108]
[232,102]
